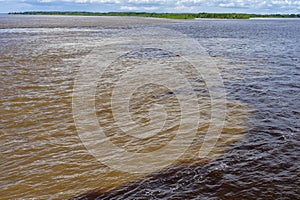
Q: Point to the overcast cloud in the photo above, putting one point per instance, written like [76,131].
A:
[245,6]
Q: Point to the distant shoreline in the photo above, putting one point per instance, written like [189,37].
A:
[163,15]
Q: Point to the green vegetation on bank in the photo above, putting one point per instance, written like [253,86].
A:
[165,15]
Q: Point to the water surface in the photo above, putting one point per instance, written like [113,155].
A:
[257,156]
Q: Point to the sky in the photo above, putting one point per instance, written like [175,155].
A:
[177,6]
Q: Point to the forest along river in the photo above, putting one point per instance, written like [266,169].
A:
[255,157]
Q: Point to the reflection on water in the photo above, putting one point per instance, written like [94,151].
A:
[43,157]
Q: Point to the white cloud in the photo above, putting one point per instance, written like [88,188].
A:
[130,8]
[45,1]
[190,2]
[193,5]
[286,2]
[137,8]
[230,4]
[83,1]
[145,1]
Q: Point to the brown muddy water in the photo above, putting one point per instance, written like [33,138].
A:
[49,147]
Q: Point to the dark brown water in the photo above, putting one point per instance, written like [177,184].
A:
[255,157]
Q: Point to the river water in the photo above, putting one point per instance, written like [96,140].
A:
[43,150]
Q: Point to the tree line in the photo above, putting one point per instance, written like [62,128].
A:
[164,15]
